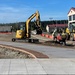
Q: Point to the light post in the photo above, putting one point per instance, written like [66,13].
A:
[56,22]
[50,29]
[51,19]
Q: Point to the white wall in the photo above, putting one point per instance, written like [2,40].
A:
[5,28]
[71,13]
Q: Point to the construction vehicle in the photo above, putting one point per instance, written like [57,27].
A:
[59,35]
[63,35]
[71,31]
[24,33]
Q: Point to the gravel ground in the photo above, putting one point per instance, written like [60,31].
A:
[11,54]
[6,37]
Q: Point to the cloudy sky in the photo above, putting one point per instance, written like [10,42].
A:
[19,10]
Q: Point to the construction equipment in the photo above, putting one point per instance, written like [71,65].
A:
[25,32]
[64,35]
[71,31]
[59,35]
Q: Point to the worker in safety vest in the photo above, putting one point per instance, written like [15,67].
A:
[68,33]
[63,35]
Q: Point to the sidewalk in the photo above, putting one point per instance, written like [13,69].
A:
[37,66]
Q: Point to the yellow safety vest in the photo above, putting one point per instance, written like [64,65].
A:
[63,35]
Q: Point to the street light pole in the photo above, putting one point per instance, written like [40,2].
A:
[56,23]
[51,19]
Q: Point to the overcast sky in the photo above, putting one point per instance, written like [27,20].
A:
[19,10]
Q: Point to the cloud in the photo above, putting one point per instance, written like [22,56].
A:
[54,16]
[8,9]
[12,14]
[9,14]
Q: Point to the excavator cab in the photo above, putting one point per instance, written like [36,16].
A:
[20,33]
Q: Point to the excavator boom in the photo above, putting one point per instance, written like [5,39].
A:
[38,24]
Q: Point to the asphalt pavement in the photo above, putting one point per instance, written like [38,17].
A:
[61,61]
[51,52]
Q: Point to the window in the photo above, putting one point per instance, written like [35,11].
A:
[73,17]
[70,18]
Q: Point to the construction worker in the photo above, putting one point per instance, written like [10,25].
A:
[63,37]
[68,33]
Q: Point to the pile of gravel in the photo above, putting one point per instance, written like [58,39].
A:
[12,54]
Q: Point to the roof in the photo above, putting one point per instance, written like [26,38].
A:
[58,25]
[71,9]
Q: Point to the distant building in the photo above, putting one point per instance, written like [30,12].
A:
[47,28]
[58,25]
[5,28]
[53,26]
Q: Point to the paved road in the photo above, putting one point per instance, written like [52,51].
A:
[61,61]
[52,52]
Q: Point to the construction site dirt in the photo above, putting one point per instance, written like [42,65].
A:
[42,41]
[7,53]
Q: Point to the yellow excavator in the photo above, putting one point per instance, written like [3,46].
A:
[24,33]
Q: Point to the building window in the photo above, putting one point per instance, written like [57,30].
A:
[70,18]
[73,17]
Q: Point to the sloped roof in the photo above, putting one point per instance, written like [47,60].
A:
[71,9]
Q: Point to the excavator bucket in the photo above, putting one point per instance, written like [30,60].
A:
[39,31]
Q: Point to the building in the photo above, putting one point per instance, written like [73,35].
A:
[5,28]
[53,26]
[71,16]
[58,25]
[71,19]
